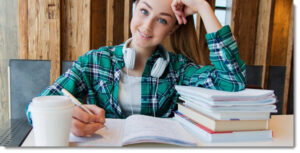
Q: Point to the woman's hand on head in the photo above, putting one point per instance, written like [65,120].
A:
[84,124]
[184,8]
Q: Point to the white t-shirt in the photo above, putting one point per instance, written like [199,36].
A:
[130,94]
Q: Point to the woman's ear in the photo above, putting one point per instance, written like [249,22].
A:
[176,26]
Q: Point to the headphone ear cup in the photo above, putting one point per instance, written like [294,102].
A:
[129,58]
[159,67]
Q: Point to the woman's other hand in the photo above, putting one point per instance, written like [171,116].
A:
[184,8]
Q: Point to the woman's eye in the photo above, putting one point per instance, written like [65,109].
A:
[163,21]
[143,11]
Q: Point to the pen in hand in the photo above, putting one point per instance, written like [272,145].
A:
[77,103]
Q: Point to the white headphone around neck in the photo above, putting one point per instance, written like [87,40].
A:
[159,65]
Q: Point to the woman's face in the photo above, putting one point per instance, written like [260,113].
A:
[152,21]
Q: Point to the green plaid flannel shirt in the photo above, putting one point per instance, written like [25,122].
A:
[96,76]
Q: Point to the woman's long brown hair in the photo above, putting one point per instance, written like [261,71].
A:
[185,41]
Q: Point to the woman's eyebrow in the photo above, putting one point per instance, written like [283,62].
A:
[164,14]
[147,5]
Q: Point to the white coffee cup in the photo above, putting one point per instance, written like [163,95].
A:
[51,119]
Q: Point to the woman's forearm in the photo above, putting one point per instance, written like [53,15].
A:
[208,17]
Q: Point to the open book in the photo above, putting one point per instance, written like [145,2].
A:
[137,129]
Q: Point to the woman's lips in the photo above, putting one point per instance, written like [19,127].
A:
[144,36]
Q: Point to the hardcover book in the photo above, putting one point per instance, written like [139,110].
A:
[205,134]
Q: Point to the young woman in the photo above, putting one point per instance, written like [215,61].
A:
[138,77]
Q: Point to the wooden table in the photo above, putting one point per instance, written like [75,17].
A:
[283,136]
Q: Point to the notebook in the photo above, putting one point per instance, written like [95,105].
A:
[138,129]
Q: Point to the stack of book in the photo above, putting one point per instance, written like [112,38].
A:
[220,116]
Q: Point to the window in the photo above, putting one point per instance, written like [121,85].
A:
[223,11]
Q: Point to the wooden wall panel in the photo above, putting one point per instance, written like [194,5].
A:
[44,33]
[110,22]
[243,24]
[98,23]
[115,22]
[118,22]
[264,31]
[264,37]
[127,18]
[110,14]
[289,63]
[23,29]
[281,32]
[76,23]
[54,38]
[38,30]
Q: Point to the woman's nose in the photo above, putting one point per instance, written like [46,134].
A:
[148,25]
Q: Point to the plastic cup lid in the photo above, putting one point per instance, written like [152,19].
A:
[51,102]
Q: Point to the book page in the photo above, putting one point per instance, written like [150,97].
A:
[141,128]
[110,136]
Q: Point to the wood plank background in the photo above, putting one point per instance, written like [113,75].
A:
[280,37]
[60,30]
[44,35]
[244,25]
[76,31]
[289,63]
[98,23]
[264,37]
